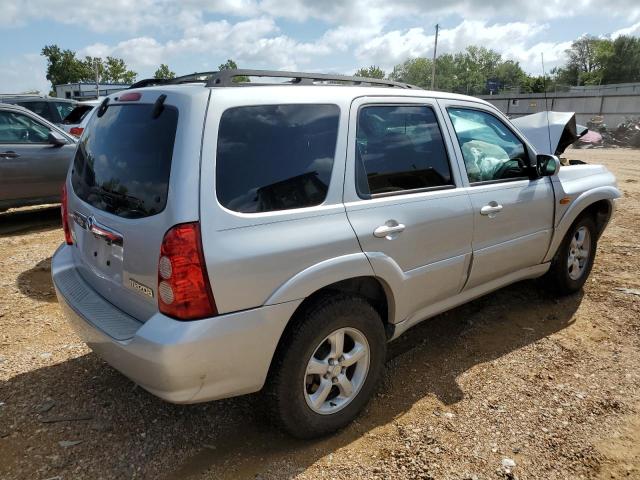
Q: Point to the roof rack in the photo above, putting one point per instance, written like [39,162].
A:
[225,78]
[191,78]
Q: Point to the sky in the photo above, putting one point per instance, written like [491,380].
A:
[334,36]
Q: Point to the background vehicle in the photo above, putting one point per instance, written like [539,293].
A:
[34,158]
[76,121]
[51,109]
[224,238]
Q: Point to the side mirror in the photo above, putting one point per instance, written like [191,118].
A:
[548,165]
[56,139]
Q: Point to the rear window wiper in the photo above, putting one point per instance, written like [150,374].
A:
[111,194]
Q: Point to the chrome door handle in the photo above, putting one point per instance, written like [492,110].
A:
[9,154]
[388,230]
[491,209]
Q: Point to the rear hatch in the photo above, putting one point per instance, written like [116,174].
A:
[135,175]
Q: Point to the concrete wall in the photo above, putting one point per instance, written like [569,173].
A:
[614,104]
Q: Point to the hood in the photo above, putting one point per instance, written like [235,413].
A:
[550,132]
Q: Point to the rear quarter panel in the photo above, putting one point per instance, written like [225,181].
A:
[264,258]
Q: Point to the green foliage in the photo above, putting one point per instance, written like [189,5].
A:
[64,67]
[163,72]
[231,65]
[371,72]
[596,61]
[622,64]
[463,72]
[115,71]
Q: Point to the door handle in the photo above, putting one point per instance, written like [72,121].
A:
[9,154]
[491,210]
[387,231]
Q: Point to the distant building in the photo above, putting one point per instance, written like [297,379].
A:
[87,91]
[613,104]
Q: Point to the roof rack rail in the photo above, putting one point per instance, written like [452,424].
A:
[224,78]
[192,77]
[148,82]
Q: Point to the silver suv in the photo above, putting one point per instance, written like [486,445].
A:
[224,238]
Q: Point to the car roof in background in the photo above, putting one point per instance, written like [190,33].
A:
[32,98]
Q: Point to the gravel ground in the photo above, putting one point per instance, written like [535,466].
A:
[513,385]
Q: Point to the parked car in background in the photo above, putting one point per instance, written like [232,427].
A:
[76,121]
[51,109]
[34,158]
[222,238]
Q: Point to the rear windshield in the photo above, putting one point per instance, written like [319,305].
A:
[64,108]
[77,114]
[123,161]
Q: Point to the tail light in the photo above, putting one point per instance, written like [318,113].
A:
[64,210]
[184,291]
[77,131]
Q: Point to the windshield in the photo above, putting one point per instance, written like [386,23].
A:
[123,161]
[77,114]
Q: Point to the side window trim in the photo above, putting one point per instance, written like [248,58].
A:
[434,108]
[454,135]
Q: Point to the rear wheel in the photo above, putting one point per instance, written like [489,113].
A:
[327,367]
[574,260]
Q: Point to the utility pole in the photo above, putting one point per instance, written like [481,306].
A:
[435,52]
[95,61]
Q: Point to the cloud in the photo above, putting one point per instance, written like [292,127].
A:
[24,73]
[633,30]
[191,35]
[509,39]
[134,15]
[257,42]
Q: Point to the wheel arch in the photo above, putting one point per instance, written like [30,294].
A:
[599,204]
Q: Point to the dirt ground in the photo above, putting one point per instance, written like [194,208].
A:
[515,378]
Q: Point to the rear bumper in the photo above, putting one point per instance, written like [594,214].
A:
[181,362]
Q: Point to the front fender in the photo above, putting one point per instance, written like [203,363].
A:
[583,201]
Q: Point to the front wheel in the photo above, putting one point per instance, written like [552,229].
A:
[574,260]
[327,367]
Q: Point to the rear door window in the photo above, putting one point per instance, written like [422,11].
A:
[123,161]
[275,157]
[39,108]
[399,148]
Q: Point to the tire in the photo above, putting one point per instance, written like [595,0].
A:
[290,390]
[568,277]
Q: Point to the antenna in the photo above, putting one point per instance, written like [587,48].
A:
[546,104]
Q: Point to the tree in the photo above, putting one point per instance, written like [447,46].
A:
[586,59]
[115,71]
[623,62]
[509,74]
[163,72]
[370,72]
[231,65]
[416,71]
[62,66]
